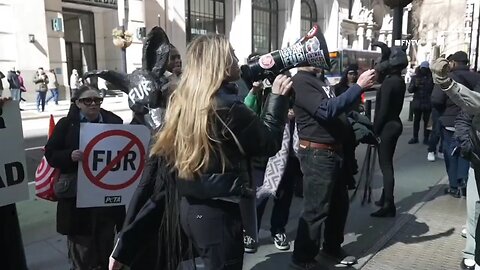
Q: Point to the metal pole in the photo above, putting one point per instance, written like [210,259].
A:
[11,244]
[471,33]
[476,47]
[397,24]
[368,109]
[124,50]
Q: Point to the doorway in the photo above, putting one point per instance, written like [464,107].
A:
[80,40]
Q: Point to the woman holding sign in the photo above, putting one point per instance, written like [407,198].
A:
[208,137]
[90,231]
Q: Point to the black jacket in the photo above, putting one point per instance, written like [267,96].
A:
[448,110]
[422,87]
[64,140]
[321,118]
[257,136]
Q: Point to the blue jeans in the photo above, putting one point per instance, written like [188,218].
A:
[457,167]
[325,203]
[15,94]
[41,100]
[54,96]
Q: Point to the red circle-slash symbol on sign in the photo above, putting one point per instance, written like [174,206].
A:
[97,179]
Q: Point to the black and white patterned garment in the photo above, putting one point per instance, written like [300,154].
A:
[276,165]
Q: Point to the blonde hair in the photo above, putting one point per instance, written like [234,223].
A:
[188,136]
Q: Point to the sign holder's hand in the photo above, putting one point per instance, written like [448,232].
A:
[77,155]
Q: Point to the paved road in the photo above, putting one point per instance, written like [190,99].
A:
[364,235]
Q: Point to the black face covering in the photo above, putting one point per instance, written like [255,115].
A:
[393,60]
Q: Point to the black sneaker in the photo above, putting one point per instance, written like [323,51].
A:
[281,242]
[310,265]
[413,140]
[249,244]
[454,192]
[339,256]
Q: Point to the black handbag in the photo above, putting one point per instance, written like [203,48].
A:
[65,186]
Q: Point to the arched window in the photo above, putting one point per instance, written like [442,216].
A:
[204,16]
[309,15]
[264,25]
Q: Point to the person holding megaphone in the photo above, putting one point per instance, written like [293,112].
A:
[322,129]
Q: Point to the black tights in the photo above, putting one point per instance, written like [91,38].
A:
[417,116]
[389,137]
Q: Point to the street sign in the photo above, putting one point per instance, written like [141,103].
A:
[113,161]
[13,182]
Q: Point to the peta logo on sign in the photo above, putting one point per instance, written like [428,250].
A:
[406,42]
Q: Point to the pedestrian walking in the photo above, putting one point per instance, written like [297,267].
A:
[74,82]
[41,81]
[14,87]
[52,86]
[90,231]
[208,137]
[421,86]
[1,83]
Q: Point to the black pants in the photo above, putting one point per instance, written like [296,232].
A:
[325,201]
[281,206]
[215,229]
[41,100]
[386,149]
[91,252]
[436,134]
[417,116]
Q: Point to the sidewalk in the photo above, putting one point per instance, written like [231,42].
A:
[115,103]
[428,238]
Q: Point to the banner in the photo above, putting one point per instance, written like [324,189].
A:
[13,174]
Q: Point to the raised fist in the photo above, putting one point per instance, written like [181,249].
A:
[440,71]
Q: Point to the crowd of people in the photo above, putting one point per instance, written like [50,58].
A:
[45,83]
[209,158]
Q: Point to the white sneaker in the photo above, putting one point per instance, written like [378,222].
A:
[431,156]
[464,232]
[440,155]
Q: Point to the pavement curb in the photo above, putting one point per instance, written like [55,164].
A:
[400,223]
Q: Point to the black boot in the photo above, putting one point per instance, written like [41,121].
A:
[387,210]
[381,201]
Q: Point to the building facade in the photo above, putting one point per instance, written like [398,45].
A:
[77,34]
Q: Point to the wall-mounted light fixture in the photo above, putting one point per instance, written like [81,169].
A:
[31,38]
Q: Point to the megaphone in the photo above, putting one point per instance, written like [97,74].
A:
[310,50]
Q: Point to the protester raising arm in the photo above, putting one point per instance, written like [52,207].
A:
[327,109]
[461,95]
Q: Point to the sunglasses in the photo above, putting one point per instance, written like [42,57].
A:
[89,101]
[352,73]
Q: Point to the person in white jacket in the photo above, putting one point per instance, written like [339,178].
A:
[74,82]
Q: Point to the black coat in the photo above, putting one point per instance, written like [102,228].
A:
[421,87]
[258,136]
[64,140]
[448,110]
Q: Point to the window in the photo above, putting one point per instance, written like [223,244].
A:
[309,16]
[264,25]
[204,17]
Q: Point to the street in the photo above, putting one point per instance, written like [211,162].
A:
[417,182]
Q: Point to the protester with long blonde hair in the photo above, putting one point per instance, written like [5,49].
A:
[208,138]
